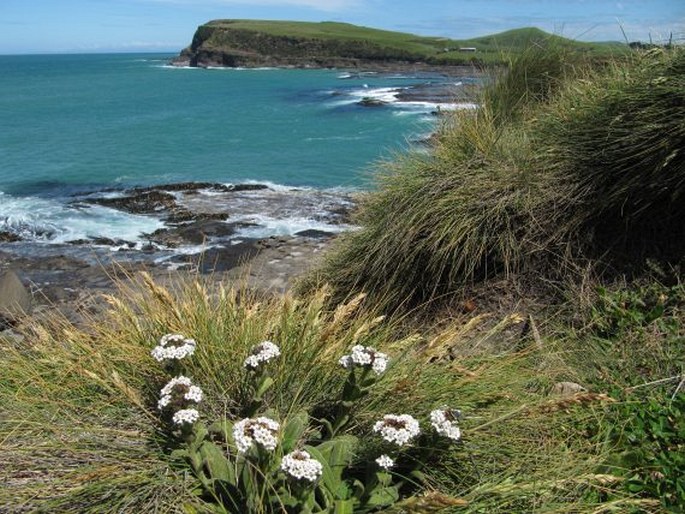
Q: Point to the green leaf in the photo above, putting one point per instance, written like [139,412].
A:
[263,386]
[294,430]
[222,428]
[179,454]
[216,464]
[338,453]
[420,476]
[382,497]
[331,480]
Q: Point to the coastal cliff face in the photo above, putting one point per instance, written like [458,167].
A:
[256,43]
[227,43]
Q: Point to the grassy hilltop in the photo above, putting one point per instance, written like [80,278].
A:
[524,279]
[291,43]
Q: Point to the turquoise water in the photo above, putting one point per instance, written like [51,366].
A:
[72,124]
[97,120]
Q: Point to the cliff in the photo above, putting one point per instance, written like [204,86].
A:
[255,43]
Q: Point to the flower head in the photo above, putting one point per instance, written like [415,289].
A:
[300,465]
[259,430]
[263,352]
[178,392]
[385,462]
[173,347]
[365,356]
[444,422]
[185,416]
[397,429]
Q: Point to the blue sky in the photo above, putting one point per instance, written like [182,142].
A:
[40,26]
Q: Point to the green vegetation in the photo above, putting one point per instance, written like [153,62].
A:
[563,162]
[552,210]
[257,42]
[81,432]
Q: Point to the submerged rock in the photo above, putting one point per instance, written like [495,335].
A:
[368,101]
[145,202]
[9,237]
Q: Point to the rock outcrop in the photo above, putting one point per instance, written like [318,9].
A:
[15,299]
[258,43]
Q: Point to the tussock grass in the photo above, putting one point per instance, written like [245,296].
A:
[480,205]
[619,137]
[563,161]
[79,431]
[522,186]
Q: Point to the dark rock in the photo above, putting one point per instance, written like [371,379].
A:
[9,237]
[246,187]
[314,234]
[146,202]
[102,241]
[215,260]
[196,232]
[184,215]
[367,101]
[15,299]
[181,215]
[196,186]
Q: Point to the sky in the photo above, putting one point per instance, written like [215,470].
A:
[68,26]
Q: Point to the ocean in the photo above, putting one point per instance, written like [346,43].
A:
[78,126]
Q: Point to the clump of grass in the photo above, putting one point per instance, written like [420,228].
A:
[619,137]
[80,431]
[562,162]
[480,205]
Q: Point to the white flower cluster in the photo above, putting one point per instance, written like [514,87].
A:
[444,422]
[385,462]
[186,416]
[261,430]
[179,388]
[397,429]
[300,465]
[263,352]
[365,356]
[172,347]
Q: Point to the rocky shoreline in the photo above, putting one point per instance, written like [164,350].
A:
[69,277]
[72,285]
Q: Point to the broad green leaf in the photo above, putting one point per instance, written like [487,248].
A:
[382,497]
[179,454]
[263,387]
[216,463]
[294,430]
[339,451]
[331,481]
[222,428]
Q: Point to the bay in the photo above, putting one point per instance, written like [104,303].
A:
[74,124]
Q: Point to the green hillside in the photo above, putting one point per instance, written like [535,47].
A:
[292,43]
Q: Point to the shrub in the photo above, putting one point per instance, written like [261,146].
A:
[303,464]
[650,444]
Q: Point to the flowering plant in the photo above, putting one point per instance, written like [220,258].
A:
[299,464]
[173,347]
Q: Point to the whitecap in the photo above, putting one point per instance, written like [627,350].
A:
[50,221]
[267,226]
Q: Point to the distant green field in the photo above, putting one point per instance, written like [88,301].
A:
[353,40]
